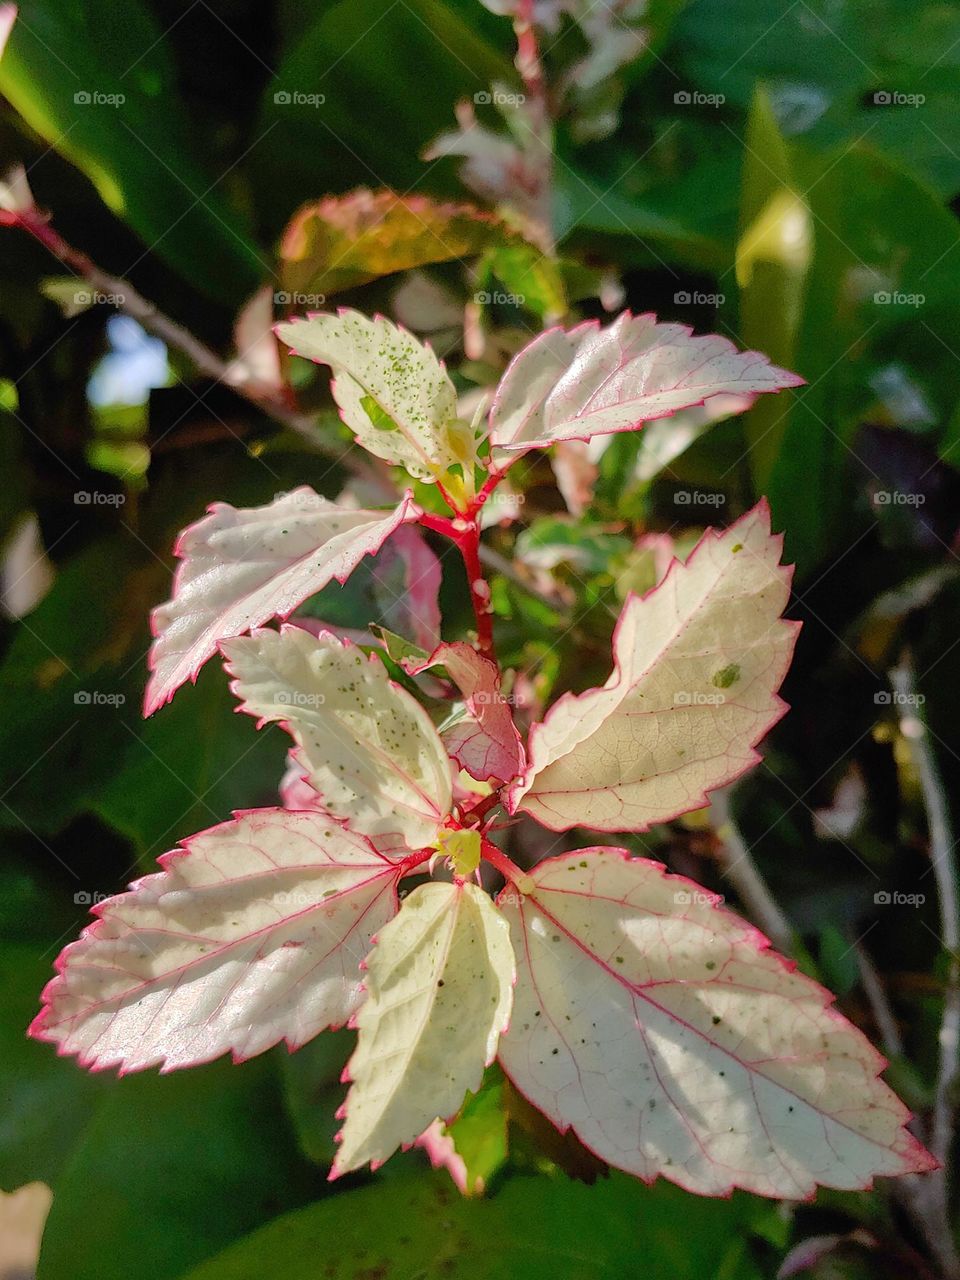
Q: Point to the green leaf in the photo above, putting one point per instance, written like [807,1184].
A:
[479,1132]
[535,1227]
[188,768]
[885,266]
[773,256]
[105,95]
[349,54]
[71,683]
[170,1170]
[313,1092]
[45,1102]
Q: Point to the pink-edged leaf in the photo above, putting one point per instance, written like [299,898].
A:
[442,1154]
[251,934]
[660,1028]
[407,578]
[242,566]
[486,742]
[8,16]
[439,985]
[371,750]
[587,381]
[295,789]
[697,664]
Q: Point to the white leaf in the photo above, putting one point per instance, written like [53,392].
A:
[439,990]
[393,392]
[243,566]
[590,381]
[658,1027]
[251,934]
[369,748]
[697,663]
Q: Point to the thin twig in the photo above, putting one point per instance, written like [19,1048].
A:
[738,866]
[269,399]
[876,994]
[931,1194]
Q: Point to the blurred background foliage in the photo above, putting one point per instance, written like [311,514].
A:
[784,175]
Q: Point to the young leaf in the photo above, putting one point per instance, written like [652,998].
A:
[486,743]
[344,241]
[243,566]
[369,748]
[251,934]
[661,1030]
[587,381]
[697,662]
[439,991]
[393,392]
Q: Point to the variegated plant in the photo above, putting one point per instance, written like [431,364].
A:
[620,999]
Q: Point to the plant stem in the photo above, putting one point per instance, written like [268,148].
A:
[465,533]
[740,869]
[932,1194]
[269,399]
[506,866]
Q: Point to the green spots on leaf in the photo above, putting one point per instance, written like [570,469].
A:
[381,420]
[727,676]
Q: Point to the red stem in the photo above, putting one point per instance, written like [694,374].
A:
[507,868]
[466,534]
